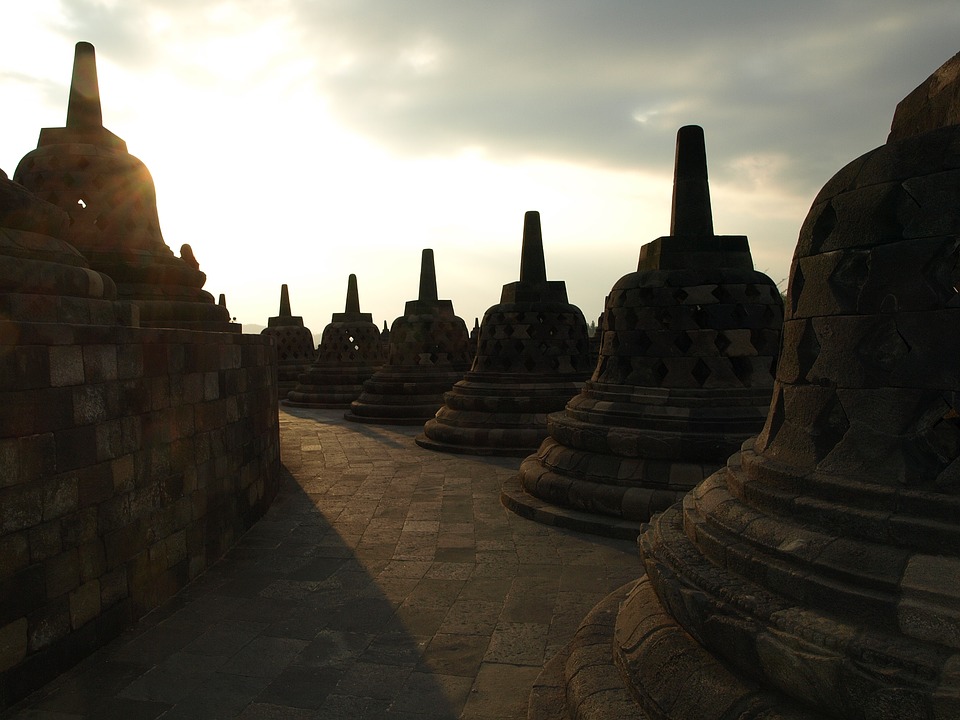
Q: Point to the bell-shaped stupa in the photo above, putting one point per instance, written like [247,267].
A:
[85,169]
[817,575]
[44,279]
[532,356]
[295,350]
[684,376]
[350,352]
[428,353]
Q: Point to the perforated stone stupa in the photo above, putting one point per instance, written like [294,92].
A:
[44,279]
[109,196]
[817,575]
[428,353]
[295,350]
[684,376]
[350,352]
[532,356]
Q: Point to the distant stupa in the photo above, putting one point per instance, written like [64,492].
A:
[428,353]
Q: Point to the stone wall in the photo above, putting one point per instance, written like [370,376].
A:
[130,460]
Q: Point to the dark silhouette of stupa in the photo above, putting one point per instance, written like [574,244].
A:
[427,354]
[532,356]
[295,349]
[85,169]
[684,376]
[350,352]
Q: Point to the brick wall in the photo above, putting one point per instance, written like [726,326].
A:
[130,460]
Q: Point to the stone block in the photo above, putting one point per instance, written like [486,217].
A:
[13,643]
[76,448]
[94,485]
[45,541]
[9,462]
[62,573]
[36,453]
[84,604]
[60,496]
[113,587]
[21,507]
[14,553]
[99,363]
[79,527]
[93,561]
[48,623]
[129,361]
[66,365]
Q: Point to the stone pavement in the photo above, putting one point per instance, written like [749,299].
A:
[386,581]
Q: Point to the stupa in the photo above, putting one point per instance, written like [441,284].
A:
[44,278]
[684,376]
[295,350]
[428,353]
[350,352]
[109,196]
[532,356]
[817,575]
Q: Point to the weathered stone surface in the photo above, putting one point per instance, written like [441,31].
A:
[817,575]
[532,355]
[685,369]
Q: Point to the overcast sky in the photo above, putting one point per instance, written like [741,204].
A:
[298,141]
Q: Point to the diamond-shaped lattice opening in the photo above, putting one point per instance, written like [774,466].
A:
[721,294]
[683,342]
[680,295]
[752,291]
[830,426]
[660,371]
[722,342]
[68,180]
[99,182]
[700,372]
[796,288]
[702,317]
[822,227]
[642,343]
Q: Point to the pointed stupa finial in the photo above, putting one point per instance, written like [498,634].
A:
[284,302]
[83,109]
[691,215]
[428,276]
[533,268]
[353,295]
[223,300]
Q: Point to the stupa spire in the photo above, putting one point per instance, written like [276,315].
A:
[353,295]
[284,302]
[533,268]
[83,108]
[691,214]
[428,276]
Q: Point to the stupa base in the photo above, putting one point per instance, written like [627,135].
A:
[515,498]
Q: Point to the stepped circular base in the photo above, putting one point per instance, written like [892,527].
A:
[515,498]
[477,449]
[581,682]
[406,395]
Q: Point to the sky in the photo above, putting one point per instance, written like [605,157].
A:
[299,141]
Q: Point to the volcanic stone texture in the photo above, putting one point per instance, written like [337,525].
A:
[350,352]
[532,356]
[817,575]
